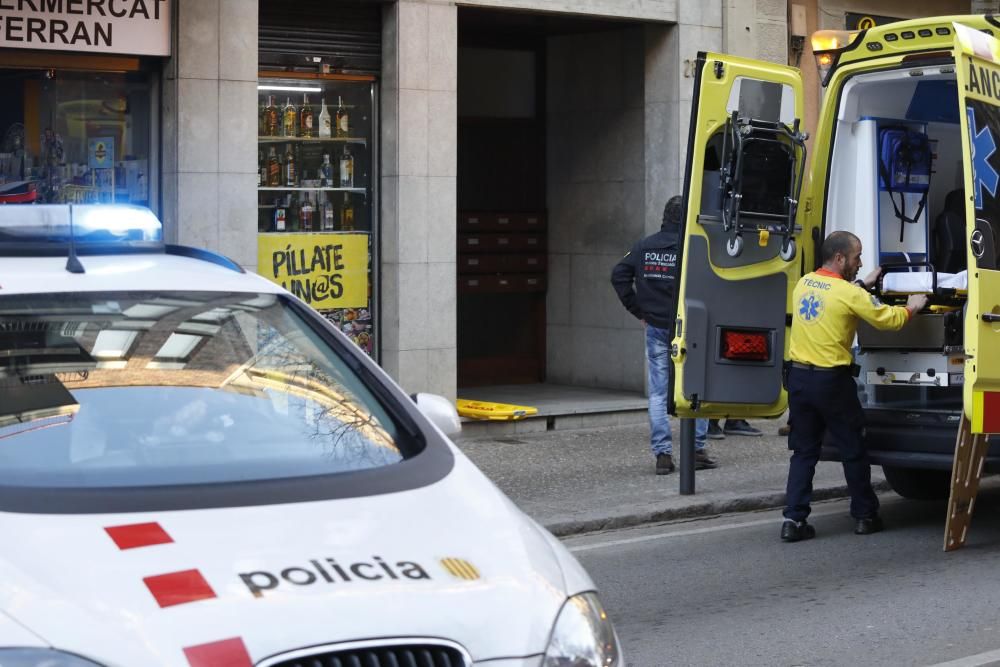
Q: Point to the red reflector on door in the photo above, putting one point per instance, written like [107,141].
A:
[991,412]
[745,345]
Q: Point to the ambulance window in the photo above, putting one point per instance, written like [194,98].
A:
[762,100]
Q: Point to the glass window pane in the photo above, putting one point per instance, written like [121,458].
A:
[111,344]
[178,346]
[762,100]
[75,137]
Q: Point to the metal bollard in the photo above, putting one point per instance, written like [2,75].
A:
[687,457]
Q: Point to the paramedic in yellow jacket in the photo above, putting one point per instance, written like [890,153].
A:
[822,394]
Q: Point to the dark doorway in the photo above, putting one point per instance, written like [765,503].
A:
[501,204]
[529,86]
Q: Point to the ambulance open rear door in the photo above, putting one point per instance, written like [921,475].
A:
[742,238]
[977,65]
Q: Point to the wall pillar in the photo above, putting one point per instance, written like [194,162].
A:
[210,128]
[595,199]
[671,51]
[419,122]
[757,29]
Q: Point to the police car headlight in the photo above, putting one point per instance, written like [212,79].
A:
[41,657]
[583,636]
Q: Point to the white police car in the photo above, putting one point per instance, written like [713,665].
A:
[197,470]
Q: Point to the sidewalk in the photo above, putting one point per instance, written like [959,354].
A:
[597,479]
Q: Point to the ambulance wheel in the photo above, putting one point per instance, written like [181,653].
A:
[917,483]
[734,246]
[788,250]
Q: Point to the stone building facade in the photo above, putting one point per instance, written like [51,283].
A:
[628,72]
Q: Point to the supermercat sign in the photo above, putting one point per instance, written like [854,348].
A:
[128,27]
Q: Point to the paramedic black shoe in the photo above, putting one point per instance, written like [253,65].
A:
[740,427]
[714,431]
[664,464]
[796,531]
[868,526]
[702,461]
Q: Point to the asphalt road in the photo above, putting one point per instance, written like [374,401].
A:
[726,591]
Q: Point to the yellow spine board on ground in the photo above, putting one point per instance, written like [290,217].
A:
[493,411]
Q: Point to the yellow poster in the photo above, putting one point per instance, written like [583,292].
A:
[324,270]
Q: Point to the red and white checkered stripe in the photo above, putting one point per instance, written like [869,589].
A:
[182,587]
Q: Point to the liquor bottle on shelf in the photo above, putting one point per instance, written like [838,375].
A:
[341,119]
[279,215]
[289,119]
[306,126]
[347,214]
[273,169]
[328,215]
[306,213]
[293,213]
[326,172]
[291,173]
[261,171]
[346,168]
[325,130]
[270,118]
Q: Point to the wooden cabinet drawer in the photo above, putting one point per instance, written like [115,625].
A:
[497,263]
[498,242]
[475,222]
[501,283]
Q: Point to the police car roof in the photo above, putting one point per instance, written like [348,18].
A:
[131,272]
[50,228]
[121,247]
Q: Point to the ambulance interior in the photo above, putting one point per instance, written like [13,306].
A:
[915,230]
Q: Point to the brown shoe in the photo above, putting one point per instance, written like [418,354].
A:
[785,430]
[703,461]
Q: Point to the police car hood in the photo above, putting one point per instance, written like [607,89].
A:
[453,560]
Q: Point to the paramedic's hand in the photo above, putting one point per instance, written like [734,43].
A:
[916,302]
[872,278]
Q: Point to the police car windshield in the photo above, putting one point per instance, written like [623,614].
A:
[109,390]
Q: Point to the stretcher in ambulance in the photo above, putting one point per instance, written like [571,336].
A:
[905,155]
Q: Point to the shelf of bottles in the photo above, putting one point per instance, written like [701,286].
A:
[315,176]
[313,156]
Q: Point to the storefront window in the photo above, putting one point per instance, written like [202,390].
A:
[75,137]
[315,193]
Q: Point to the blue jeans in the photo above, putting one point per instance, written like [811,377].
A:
[658,370]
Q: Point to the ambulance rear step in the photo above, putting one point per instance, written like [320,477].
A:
[915,368]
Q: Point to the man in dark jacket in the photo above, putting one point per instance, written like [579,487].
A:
[646,282]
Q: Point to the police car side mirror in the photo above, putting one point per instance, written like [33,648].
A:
[440,411]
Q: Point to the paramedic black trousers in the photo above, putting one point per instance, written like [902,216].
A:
[826,400]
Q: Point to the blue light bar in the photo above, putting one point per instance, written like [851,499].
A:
[47,226]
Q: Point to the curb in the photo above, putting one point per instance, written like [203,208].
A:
[747,503]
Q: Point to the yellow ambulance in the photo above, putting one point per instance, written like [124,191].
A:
[906,155]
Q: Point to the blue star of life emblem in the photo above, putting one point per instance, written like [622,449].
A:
[983,146]
[809,307]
